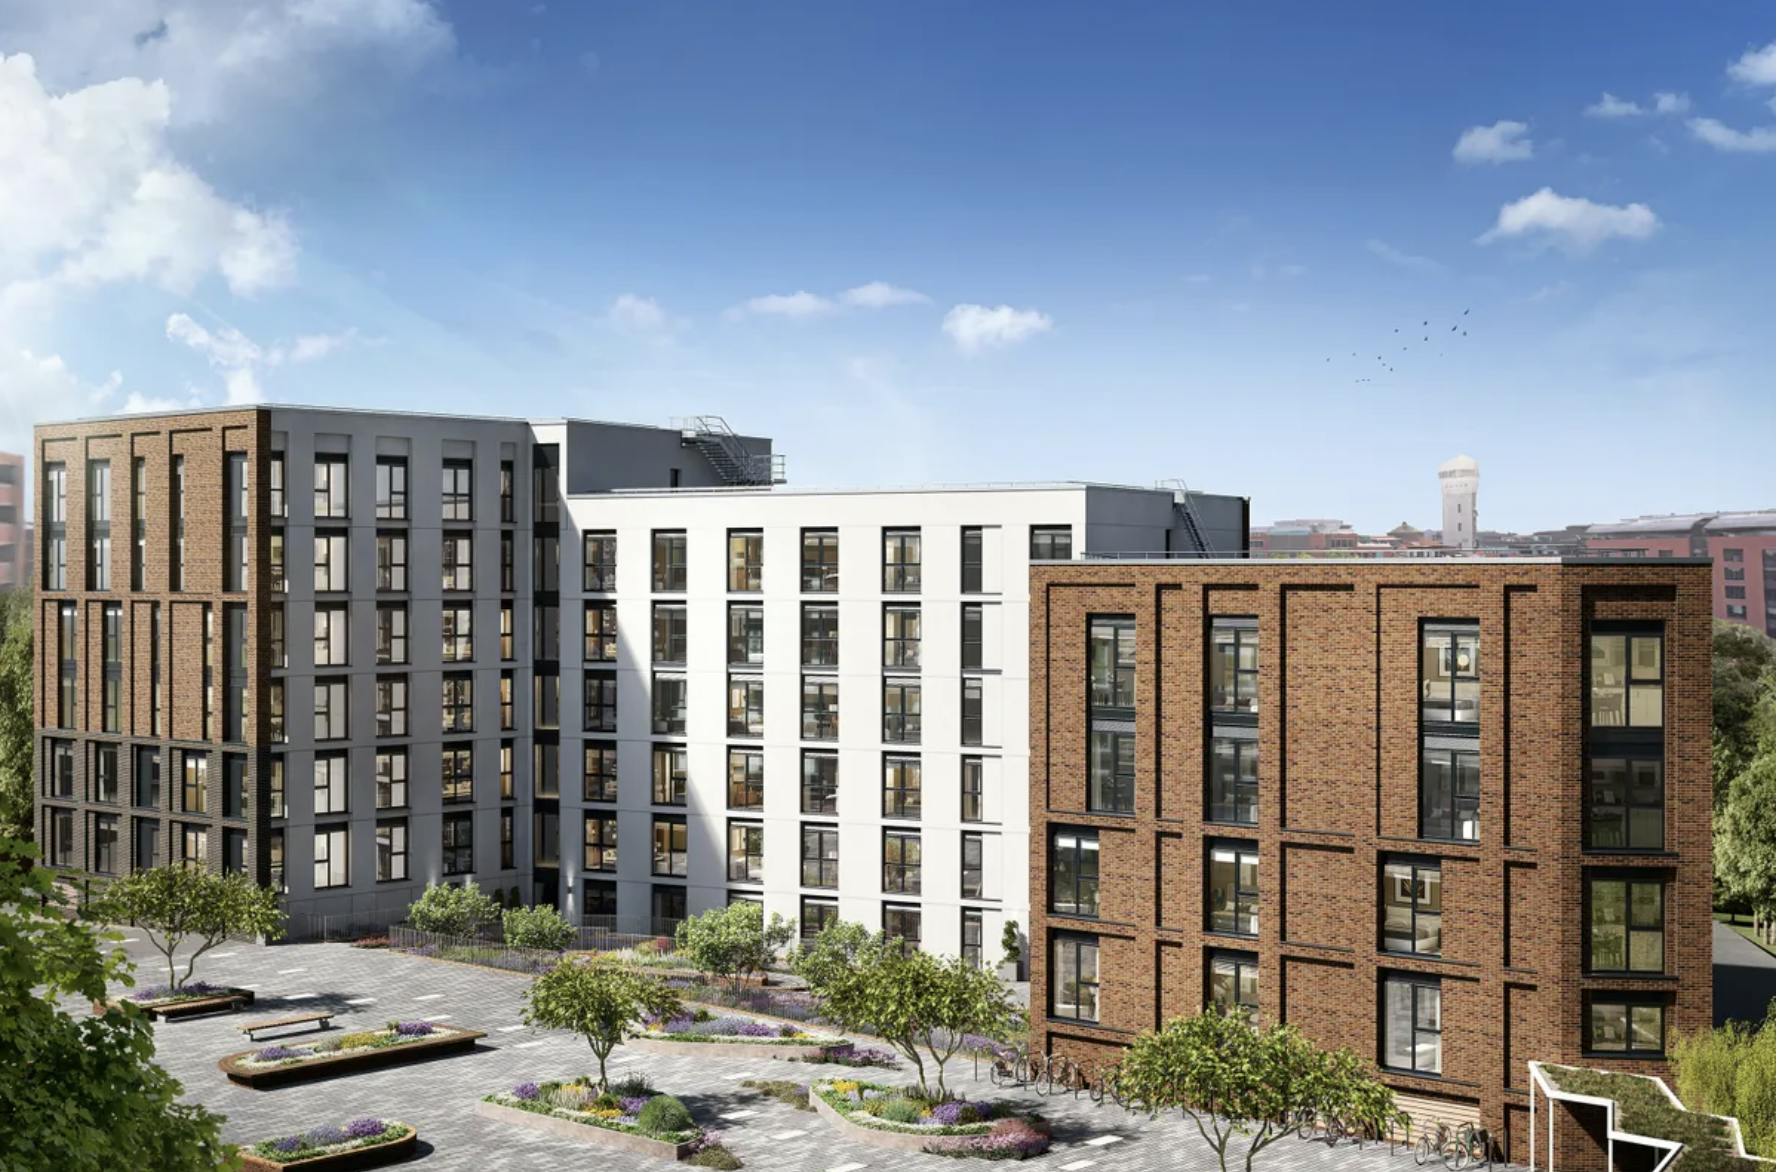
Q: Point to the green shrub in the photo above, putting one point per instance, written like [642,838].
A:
[540,927]
[633,1086]
[896,1109]
[714,1156]
[792,1094]
[664,1113]
[449,910]
[1730,1071]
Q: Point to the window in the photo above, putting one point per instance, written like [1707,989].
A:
[970,789]
[970,711]
[99,525]
[1235,792]
[821,571]
[813,915]
[330,635]
[1620,1026]
[1411,902]
[747,847]
[902,561]
[392,778]
[1233,889]
[971,866]
[275,561]
[1625,922]
[456,492]
[275,787]
[1112,663]
[147,778]
[667,698]
[744,559]
[546,631]
[139,513]
[59,837]
[821,857]
[392,706]
[668,627]
[456,562]
[508,719]
[1411,1023]
[970,937]
[1235,667]
[275,650]
[392,560]
[902,862]
[599,844]
[599,562]
[148,842]
[747,779]
[1112,771]
[505,765]
[234,786]
[392,634]
[1075,977]
[546,842]
[667,906]
[821,634]
[1449,674]
[599,771]
[457,780]
[1449,791]
[330,560]
[392,850]
[105,785]
[67,665]
[668,787]
[330,783]
[176,573]
[668,562]
[275,712]
[747,706]
[457,711]
[237,510]
[902,924]
[60,775]
[507,562]
[455,626]
[105,854]
[1075,872]
[747,634]
[599,897]
[821,783]
[506,488]
[902,787]
[458,843]
[599,633]
[971,560]
[330,488]
[506,630]
[902,636]
[546,700]
[1234,982]
[902,711]
[194,845]
[599,701]
[1625,804]
[1051,543]
[55,524]
[330,856]
[194,790]
[111,620]
[392,489]
[669,855]
[970,625]
[1626,677]
[821,709]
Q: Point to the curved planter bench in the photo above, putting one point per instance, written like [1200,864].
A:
[388,1152]
[230,1000]
[585,1133]
[265,1077]
[880,1137]
[784,1052]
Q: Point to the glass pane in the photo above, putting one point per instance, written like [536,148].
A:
[1427,1007]
[1398,1051]
[1398,914]
[1436,676]
[1647,1027]
[1647,657]
[1606,1027]
[1607,681]
[1223,983]
[1647,705]
[1647,952]
[1647,905]
[1645,828]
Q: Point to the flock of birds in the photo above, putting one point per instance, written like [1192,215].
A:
[1459,328]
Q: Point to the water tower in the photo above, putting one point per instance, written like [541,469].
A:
[1458,503]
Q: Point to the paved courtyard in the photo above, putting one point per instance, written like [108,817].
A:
[369,987]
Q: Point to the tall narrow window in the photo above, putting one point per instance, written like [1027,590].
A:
[1233,889]
[1233,708]
[392,634]
[98,524]
[970,788]
[821,708]
[235,490]
[392,559]
[1411,1023]
[330,487]
[330,560]
[1625,738]
[1075,872]
[745,559]
[1075,977]
[668,638]
[55,526]
[668,856]
[902,711]
[971,693]
[330,783]
[457,630]
[1112,707]
[821,783]
[392,849]
[1411,900]
[668,562]
[821,634]
[970,937]
[507,510]
[392,489]
[971,560]
[1235,667]
[902,787]
[67,667]
[457,707]
[1234,983]
[599,772]
[669,784]
[1450,785]
[139,520]
[902,561]
[1625,916]
[902,636]
[234,672]
[599,701]
[747,706]
[599,638]
[1450,685]
[747,852]
[276,496]
[599,562]
[747,634]
[821,857]
[457,774]
[970,625]
[667,699]
[457,558]
[456,491]
[392,706]
[600,842]
[112,651]
[330,710]
[821,568]
[747,779]
[392,778]
[902,862]
[507,562]
[458,844]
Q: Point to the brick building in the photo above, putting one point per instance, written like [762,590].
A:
[1740,544]
[1453,814]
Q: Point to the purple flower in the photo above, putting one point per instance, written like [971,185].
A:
[632,1106]
[526,1091]
[323,1137]
[289,1143]
[954,1112]
[413,1029]
[274,1054]
[365,1128]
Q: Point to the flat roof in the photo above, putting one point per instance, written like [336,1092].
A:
[1348,558]
[549,421]
[883,490]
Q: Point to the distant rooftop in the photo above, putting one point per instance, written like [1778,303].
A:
[1677,524]
[1363,555]
[477,417]
[842,490]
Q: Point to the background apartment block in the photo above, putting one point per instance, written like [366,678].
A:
[818,700]
[15,524]
[1453,814]
[1740,544]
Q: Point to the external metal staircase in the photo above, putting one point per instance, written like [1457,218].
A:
[712,436]
[1189,517]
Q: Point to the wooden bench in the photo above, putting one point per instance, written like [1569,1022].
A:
[324,1016]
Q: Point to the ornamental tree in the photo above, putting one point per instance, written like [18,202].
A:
[837,948]
[541,927]
[81,1093]
[1743,833]
[177,904]
[733,942]
[451,909]
[600,999]
[918,1003]
[1237,1082]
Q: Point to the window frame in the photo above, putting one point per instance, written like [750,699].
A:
[1627,1002]
[1075,943]
[1419,984]
[1246,901]
[901,574]
[826,567]
[1627,928]
[1079,879]
[900,876]
[827,866]
[1418,866]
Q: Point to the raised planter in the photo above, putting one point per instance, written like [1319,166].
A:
[883,1137]
[789,1051]
[389,1151]
[172,1009]
[349,1062]
[586,1133]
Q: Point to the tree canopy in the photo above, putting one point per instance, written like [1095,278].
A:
[15,714]
[176,904]
[735,941]
[601,1000]
[1742,674]
[453,909]
[839,946]
[1743,831]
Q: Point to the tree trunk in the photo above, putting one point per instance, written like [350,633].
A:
[600,1054]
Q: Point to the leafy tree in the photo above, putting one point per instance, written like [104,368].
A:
[1742,673]
[536,927]
[599,999]
[839,946]
[1743,833]
[734,942]
[1237,1082]
[176,904]
[450,909]
[15,714]
[82,1094]
[917,1002]
[1010,942]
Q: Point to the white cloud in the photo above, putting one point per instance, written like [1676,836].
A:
[797,306]
[975,327]
[313,347]
[1572,224]
[1612,107]
[1668,103]
[636,314]
[240,359]
[1756,140]
[1753,68]
[1504,142]
[882,295]
[1401,259]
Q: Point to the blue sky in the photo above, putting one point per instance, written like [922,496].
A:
[931,241]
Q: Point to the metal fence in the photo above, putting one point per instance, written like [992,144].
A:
[310,927]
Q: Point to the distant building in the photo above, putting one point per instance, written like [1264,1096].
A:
[15,542]
[1304,534]
[1740,544]
[1458,503]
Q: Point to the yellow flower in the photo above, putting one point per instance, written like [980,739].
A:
[844,1086]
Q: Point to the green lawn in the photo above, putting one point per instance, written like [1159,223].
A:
[1744,926]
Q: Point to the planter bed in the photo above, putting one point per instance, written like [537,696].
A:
[276,1065]
[171,1006]
[542,1108]
[1645,1110]
[702,1032]
[1008,1132]
[334,1149]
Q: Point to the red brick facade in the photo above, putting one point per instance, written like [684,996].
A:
[1338,770]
